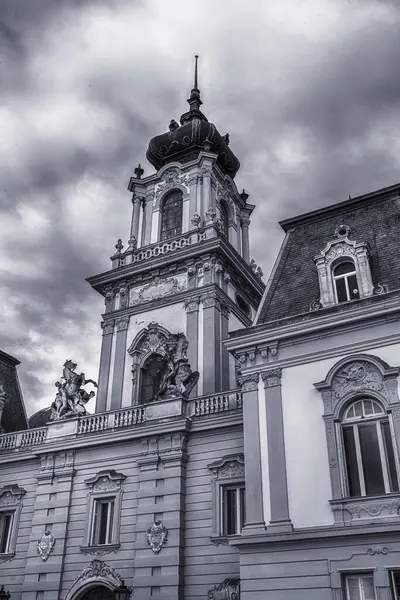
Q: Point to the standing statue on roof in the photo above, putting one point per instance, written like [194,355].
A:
[71,398]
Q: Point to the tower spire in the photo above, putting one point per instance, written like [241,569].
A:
[194,99]
[195,71]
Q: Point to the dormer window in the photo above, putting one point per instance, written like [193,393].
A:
[345,279]
[344,270]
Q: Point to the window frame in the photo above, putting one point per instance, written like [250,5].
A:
[11,503]
[106,486]
[349,379]
[240,510]
[143,369]
[345,277]
[360,575]
[95,527]
[355,424]
[392,575]
[173,192]
[227,473]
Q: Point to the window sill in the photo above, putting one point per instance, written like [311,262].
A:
[353,511]
[100,550]
[223,540]
[6,556]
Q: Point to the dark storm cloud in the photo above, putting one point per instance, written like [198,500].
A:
[308,92]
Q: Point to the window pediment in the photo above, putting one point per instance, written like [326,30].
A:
[228,467]
[11,495]
[106,481]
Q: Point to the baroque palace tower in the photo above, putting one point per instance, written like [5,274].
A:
[186,267]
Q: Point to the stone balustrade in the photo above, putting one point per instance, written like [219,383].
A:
[120,259]
[131,416]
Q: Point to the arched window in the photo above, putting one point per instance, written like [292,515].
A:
[223,211]
[151,374]
[171,217]
[345,280]
[368,449]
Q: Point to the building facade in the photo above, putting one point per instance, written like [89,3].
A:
[246,439]
[327,409]
[145,493]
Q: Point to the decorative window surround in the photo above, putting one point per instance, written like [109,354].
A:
[11,503]
[106,485]
[96,574]
[229,471]
[339,250]
[349,379]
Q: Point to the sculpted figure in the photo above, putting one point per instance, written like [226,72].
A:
[178,380]
[70,399]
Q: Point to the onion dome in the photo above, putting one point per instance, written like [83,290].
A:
[40,418]
[184,142]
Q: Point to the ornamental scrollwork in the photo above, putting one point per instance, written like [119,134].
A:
[11,495]
[106,481]
[171,178]
[229,589]
[356,377]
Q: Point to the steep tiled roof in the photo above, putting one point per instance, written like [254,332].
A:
[373,218]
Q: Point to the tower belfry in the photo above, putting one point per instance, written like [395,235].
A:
[186,268]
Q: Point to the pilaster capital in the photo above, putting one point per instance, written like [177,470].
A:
[211,300]
[225,310]
[192,304]
[122,323]
[136,200]
[272,377]
[249,383]
[108,326]
[245,222]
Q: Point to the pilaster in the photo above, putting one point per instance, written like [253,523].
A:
[280,520]
[161,500]
[105,361]
[147,218]
[211,343]
[136,201]
[252,453]
[51,513]
[122,324]
[192,334]
[225,310]
[245,222]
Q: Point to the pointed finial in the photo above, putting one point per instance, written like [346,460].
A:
[196,58]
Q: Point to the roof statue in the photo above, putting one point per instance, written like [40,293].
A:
[71,398]
[184,141]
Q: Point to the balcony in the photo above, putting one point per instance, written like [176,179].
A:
[197,409]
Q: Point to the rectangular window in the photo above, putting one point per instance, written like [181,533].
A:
[6,526]
[371,459]
[395,581]
[102,522]
[233,509]
[359,587]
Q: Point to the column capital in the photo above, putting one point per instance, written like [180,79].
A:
[192,304]
[245,222]
[272,377]
[122,323]
[225,310]
[211,299]
[249,383]
[108,326]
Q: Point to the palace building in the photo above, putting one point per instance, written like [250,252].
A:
[246,438]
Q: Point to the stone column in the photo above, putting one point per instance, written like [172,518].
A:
[122,325]
[225,310]
[280,520]
[211,343]
[2,403]
[192,334]
[105,360]
[193,208]
[161,497]
[238,233]
[245,222]
[136,201]
[252,455]
[147,215]
[51,513]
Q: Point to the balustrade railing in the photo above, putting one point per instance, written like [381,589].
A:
[217,403]
[126,417]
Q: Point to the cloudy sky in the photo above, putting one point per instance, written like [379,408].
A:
[308,90]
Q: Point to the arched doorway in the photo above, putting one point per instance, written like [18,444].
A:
[98,593]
